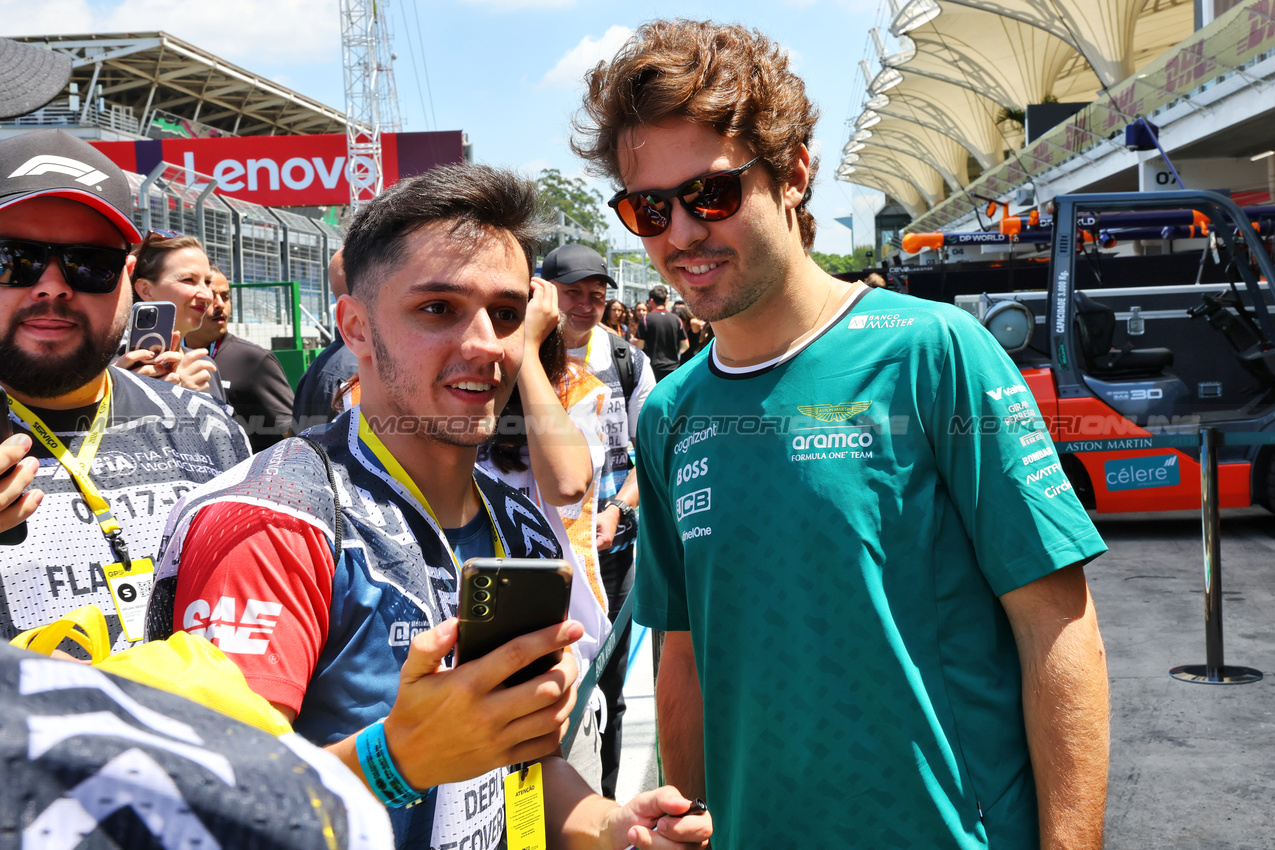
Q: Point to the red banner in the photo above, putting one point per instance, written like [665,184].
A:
[282,171]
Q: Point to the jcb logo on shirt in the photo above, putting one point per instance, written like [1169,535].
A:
[694,502]
[219,623]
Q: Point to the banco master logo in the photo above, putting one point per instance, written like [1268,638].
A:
[45,163]
[835,412]
[875,321]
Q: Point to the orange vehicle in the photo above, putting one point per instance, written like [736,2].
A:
[1125,361]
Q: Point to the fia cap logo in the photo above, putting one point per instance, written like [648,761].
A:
[46,163]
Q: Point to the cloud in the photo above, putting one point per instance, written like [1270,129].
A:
[570,70]
[52,17]
[244,31]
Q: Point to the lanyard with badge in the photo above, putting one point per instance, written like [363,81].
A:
[399,474]
[524,800]
[129,580]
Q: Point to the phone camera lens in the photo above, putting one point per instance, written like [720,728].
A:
[482,581]
[147,318]
[481,610]
[481,596]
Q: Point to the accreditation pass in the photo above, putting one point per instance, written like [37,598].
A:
[131,591]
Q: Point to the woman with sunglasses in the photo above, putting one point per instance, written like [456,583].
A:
[616,318]
[173,267]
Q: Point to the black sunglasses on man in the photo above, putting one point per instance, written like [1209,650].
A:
[709,197]
[86,268]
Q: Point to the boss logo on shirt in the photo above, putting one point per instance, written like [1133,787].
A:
[691,471]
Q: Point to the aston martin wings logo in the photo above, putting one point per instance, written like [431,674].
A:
[835,412]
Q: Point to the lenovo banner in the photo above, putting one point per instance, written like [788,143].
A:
[283,171]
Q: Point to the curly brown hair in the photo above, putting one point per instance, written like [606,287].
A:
[731,78]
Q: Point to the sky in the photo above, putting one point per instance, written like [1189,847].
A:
[507,72]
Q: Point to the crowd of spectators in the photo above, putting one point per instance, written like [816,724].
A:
[134,461]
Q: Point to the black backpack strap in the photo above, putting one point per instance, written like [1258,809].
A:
[623,360]
[338,524]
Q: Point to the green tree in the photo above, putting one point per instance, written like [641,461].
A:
[840,263]
[582,205]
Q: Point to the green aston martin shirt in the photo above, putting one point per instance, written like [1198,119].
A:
[834,528]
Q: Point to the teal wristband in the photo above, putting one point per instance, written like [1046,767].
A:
[374,757]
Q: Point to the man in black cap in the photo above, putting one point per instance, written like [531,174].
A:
[109,451]
[581,276]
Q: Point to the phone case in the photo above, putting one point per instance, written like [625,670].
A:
[156,336]
[523,595]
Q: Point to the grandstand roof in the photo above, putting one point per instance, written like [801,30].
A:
[144,72]
[962,67]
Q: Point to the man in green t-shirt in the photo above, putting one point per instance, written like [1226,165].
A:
[854,528]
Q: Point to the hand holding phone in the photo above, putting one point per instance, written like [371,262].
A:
[151,326]
[449,725]
[505,598]
[16,474]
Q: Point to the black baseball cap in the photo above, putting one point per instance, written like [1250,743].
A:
[55,164]
[569,263]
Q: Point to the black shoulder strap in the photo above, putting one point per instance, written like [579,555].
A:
[337,524]
[623,364]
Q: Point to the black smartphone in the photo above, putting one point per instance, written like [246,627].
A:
[505,598]
[18,533]
[151,326]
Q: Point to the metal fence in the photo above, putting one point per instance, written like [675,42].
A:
[634,279]
[305,260]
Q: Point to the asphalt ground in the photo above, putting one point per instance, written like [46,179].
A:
[1192,766]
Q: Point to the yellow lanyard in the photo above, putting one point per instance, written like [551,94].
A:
[79,465]
[395,469]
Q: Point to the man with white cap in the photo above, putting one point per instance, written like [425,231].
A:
[108,452]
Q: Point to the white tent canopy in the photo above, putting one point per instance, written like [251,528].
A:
[964,66]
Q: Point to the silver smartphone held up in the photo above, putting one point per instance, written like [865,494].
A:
[151,326]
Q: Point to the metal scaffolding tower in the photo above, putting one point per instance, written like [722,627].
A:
[371,101]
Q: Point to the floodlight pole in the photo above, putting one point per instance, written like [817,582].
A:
[370,100]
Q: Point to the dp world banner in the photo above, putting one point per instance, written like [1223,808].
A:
[282,171]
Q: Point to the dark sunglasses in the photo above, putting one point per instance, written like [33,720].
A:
[709,197]
[151,235]
[86,268]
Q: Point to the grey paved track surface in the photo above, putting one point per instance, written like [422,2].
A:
[1192,766]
